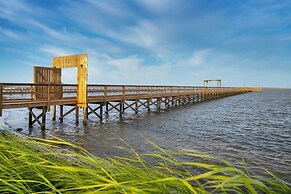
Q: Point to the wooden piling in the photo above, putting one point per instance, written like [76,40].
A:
[77,115]
[30,117]
[44,110]
[85,115]
[101,112]
[148,104]
[61,113]
[1,99]
[54,112]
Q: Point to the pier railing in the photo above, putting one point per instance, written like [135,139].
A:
[17,95]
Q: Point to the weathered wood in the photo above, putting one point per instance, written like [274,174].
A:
[106,105]
[36,118]
[77,115]
[61,113]
[54,112]
[85,115]
[113,97]
[30,117]
[121,107]
[129,106]
[44,110]
[47,75]
[94,111]
[113,106]
[101,112]
[67,113]
[1,99]
[148,104]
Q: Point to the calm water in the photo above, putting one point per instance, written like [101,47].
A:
[253,126]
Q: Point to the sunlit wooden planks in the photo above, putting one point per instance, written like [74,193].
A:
[81,62]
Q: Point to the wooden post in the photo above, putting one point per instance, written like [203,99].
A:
[120,108]
[54,112]
[48,97]
[61,113]
[105,100]
[85,115]
[87,112]
[158,104]
[29,117]
[148,104]
[101,112]
[1,99]
[106,106]
[77,115]
[32,93]
[44,109]
[136,106]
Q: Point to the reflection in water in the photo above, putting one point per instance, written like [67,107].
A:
[254,126]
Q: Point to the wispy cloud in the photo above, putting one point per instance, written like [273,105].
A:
[198,58]
[55,51]
[7,33]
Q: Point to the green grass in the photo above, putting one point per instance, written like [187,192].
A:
[56,166]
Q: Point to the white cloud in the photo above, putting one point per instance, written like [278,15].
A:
[145,34]
[128,63]
[198,58]
[116,8]
[158,5]
[7,33]
[55,51]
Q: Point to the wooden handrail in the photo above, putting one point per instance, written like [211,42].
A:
[13,92]
[1,99]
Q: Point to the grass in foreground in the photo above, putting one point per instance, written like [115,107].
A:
[45,166]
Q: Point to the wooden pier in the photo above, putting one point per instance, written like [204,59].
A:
[102,99]
[47,92]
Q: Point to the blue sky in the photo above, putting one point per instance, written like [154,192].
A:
[169,42]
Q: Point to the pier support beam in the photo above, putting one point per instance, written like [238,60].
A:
[77,115]
[32,118]
[148,104]
[1,99]
[62,115]
[106,106]
[94,111]
[85,118]
[54,112]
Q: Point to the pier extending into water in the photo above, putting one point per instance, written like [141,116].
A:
[102,99]
[48,92]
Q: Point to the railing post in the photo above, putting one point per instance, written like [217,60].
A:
[31,93]
[1,99]
[105,92]
[105,99]
[123,92]
[48,97]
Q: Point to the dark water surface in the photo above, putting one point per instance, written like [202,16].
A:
[254,126]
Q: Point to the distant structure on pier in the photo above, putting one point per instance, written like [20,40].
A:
[218,82]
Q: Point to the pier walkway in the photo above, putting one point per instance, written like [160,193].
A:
[102,99]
